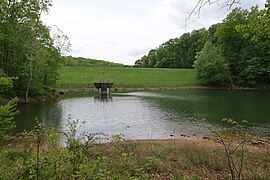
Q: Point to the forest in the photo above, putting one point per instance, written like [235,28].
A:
[29,56]
[234,52]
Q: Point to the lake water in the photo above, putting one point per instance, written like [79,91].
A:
[151,115]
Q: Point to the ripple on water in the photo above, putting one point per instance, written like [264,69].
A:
[129,115]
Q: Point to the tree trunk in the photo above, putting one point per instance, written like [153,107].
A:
[231,81]
[31,60]
[30,78]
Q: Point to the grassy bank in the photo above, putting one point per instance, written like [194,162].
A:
[83,77]
[167,159]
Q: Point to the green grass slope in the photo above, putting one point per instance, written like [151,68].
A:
[80,77]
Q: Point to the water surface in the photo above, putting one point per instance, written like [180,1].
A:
[151,115]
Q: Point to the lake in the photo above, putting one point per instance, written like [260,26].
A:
[152,115]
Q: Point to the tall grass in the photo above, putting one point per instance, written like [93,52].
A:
[170,159]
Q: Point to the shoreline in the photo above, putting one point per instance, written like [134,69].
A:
[126,89]
[259,145]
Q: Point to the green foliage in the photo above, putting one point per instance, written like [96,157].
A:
[43,145]
[26,49]
[254,70]
[6,83]
[77,146]
[211,66]
[244,39]
[84,62]
[175,53]
[75,140]
[256,34]
[7,113]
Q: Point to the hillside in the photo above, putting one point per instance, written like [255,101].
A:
[83,77]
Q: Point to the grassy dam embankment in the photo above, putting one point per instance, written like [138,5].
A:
[83,77]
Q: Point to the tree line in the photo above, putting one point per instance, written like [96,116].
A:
[234,52]
[175,53]
[87,62]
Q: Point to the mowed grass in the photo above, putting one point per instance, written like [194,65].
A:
[127,77]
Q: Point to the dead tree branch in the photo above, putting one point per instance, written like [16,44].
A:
[202,3]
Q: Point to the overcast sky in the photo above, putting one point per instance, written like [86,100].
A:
[124,30]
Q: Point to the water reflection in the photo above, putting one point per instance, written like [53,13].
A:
[103,98]
[49,113]
[150,115]
[132,116]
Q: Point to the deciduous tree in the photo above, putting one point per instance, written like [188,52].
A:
[211,66]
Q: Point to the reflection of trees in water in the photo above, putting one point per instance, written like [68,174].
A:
[179,109]
[49,113]
[214,105]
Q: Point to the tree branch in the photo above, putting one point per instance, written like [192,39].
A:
[202,3]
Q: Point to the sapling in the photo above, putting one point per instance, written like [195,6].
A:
[234,137]
[7,114]
[37,138]
[78,143]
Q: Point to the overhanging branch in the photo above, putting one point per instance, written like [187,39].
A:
[202,3]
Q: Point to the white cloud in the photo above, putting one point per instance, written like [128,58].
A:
[123,30]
